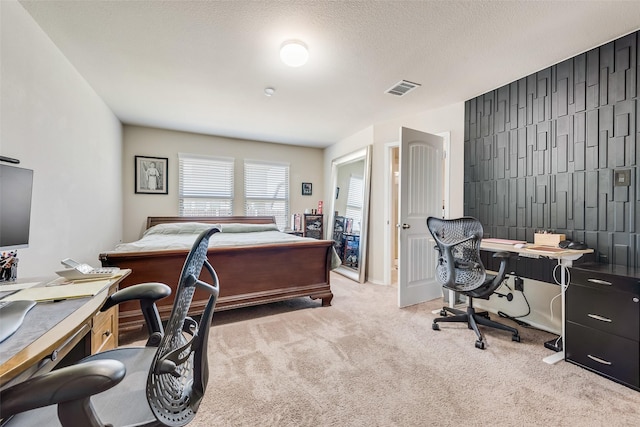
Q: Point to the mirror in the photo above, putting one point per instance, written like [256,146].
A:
[349,212]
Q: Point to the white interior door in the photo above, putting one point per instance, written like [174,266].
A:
[421,179]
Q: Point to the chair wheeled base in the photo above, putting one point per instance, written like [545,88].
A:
[473,319]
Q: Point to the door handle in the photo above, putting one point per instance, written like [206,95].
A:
[404,226]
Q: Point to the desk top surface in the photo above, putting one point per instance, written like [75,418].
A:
[532,250]
[47,327]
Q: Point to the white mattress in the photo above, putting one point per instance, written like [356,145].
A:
[182,235]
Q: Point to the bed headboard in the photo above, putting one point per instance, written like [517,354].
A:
[155,220]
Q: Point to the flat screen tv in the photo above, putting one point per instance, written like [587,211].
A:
[15,207]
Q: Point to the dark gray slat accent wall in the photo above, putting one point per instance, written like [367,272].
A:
[541,153]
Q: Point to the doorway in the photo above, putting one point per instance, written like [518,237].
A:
[392,191]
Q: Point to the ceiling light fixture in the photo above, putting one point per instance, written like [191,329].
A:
[294,53]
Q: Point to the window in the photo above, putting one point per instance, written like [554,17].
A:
[206,185]
[354,201]
[266,190]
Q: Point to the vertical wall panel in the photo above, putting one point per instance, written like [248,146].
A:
[542,151]
[579,201]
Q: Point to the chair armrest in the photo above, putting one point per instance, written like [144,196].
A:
[151,291]
[502,255]
[70,387]
[504,259]
[147,294]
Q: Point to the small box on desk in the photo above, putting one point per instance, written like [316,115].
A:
[548,239]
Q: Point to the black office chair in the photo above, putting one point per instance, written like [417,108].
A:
[161,384]
[460,269]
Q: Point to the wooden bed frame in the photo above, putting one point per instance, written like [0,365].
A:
[249,275]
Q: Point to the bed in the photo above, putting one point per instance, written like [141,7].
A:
[250,273]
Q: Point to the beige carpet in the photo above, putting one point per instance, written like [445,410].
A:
[364,362]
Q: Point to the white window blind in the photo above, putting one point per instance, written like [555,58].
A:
[266,190]
[354,201]
[206,185]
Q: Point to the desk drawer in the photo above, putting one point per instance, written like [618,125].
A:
[609,355]
[104,331]
[600,280]
[604,309]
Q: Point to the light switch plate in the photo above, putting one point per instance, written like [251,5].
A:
[622,178]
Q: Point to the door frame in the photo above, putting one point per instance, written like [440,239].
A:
[388,205]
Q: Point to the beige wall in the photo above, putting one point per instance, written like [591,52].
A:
[446,119]
[541,296]
[543,310]
[54,122]
[305,166]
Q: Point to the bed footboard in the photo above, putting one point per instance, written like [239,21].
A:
[248,275]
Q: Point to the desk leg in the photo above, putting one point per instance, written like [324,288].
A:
[554,358]
[564,263]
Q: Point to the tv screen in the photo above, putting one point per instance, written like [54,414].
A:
[15,206]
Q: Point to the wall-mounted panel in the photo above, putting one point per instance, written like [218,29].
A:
[560,150]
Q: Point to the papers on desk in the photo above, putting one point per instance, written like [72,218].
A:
[17,286]
[54,291]
[503,241]
[549,250]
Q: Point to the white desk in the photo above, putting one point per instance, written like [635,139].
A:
[565,259]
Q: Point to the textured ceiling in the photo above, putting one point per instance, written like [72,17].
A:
[202,66]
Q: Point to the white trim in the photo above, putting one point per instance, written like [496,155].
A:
[446,136]
[205,156]
[388,182]
[266,162]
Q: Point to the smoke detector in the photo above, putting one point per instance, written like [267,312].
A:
[402,88]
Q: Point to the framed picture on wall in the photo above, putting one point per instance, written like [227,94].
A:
[307,188]
[151,175]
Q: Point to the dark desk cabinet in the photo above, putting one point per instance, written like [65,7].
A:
[602,323]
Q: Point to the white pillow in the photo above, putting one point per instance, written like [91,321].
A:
[179,228]
[247,228]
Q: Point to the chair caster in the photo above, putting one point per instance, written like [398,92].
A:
[480,344]
[443,313]
[515,338]
[435,326]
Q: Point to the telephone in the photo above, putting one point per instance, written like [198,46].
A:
[78,271]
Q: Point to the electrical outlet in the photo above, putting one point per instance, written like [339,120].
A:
[519,284]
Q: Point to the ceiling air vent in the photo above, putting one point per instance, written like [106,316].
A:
[402,88]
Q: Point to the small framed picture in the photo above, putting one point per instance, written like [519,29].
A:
[151,175]
[307,188]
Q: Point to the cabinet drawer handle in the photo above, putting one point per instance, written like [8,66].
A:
[595,316]
[597,359]
[599,282]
